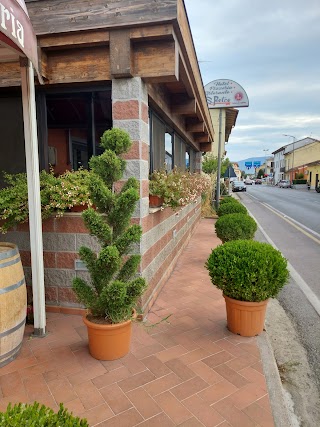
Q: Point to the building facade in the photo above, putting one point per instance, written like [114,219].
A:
[131,66]
[303,157]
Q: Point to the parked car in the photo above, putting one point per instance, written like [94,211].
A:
[258,181]
[284,183]
[238,186]
[248,181]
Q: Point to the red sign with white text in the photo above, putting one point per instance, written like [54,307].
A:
[16,28]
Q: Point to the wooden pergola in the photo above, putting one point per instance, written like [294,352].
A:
[152,40]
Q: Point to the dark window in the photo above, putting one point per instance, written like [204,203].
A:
[167,148]
[75,121]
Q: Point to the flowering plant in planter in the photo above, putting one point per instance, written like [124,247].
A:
[58,194]
[178,188]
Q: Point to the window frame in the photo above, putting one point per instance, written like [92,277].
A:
[180,148]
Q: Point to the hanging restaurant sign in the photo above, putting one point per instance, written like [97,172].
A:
[225,93]
[16,30]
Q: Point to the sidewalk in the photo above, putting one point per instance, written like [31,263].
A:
[184,368]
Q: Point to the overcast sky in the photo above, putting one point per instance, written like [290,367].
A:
[272,49]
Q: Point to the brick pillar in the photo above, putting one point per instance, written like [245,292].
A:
[198,163]
[130,113]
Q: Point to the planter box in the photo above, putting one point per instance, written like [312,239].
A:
[155,201]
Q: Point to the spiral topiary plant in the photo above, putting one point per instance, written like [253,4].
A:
[114,288]
[247,270]
[229,208]
[235,226]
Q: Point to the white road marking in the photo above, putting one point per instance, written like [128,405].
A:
[292,220]
[310,295]
[304,229]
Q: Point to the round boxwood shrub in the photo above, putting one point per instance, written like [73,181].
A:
[247,270]
[230,208]
[235,226]
[24,415]
[228,199]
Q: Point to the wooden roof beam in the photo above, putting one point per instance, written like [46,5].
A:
[102,37]
[120,54]
[154,32]
[187,108]
[205,147]
[195,127]
[71,40]
[156,62]
[202,138]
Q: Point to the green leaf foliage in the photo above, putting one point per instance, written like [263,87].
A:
[126,240]
[228,199]
[36,415]
[299,181]
[230,208]
[247,270]
[108,166]
[116,140]
[235,226]
[97,226]
[119,298]
[124,206]
[129,268]
[57,194]
[103,197]
[114,288]
[85,293]
[210,164]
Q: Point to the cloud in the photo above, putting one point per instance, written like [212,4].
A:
[271,50]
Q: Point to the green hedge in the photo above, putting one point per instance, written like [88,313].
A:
[36,415]
[228,199]
[247,270]
[230,208]
[299,181]
[235,226]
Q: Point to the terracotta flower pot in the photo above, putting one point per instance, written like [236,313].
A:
[108,342]
[155,201]
[245,318]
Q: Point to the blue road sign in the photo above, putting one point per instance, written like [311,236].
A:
[256,164]
[248,164]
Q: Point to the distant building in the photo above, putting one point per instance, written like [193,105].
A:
[298,157]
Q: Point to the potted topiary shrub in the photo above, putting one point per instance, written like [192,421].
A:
[248,273]
[114,286]
[229,208]
[235,226]
[22,414]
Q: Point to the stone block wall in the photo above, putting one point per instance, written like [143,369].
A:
[62,238]
[165,234]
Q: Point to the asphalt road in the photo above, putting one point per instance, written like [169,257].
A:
[290,219]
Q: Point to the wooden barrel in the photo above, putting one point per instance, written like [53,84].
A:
[13,302]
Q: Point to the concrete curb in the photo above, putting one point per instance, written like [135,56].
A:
[276,394]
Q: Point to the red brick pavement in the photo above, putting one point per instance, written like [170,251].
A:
[184,368]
